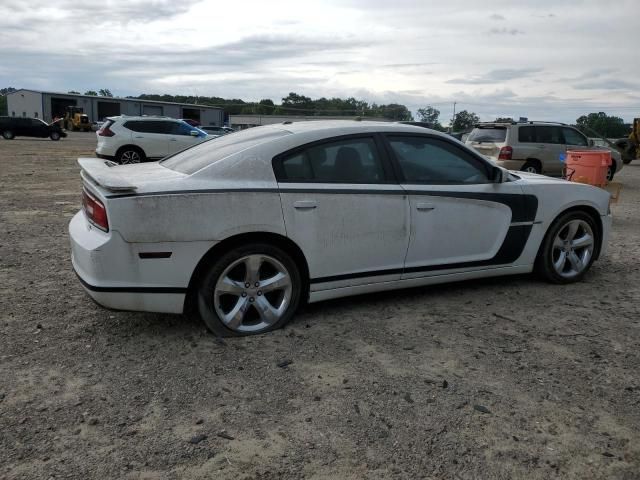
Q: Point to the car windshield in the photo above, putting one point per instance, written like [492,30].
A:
[488,134]
[211,151]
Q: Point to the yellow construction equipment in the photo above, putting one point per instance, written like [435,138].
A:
[76,119]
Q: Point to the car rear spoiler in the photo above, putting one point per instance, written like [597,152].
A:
[102,174]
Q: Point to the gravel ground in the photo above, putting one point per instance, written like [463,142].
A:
[501,378]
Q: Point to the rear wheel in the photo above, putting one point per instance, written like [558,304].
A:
[8,135]
[250,289]
[532,166]
[568,248]
[129,155]
[55,136]
[611,171]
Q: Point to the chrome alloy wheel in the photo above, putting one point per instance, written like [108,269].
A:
[252,293]
[572,248]
[129,156]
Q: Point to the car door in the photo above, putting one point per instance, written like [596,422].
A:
[550,143]
[343,208]
[180,137]
[460,218]
[37,128]
[150,136]
[574,140]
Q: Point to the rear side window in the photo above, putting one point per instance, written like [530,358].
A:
[179,128]
[540,134]
[547,134]
[147,126]
[483,134]
[353,160]
[211,151]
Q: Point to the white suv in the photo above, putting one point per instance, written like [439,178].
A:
[138,139]
[536,147]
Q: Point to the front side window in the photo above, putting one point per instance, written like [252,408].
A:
[179,128]
[354,160]
[437,162]
[572,137]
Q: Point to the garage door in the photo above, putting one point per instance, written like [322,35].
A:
[151,110]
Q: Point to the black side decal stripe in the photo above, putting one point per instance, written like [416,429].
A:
[93,288]
[511,249]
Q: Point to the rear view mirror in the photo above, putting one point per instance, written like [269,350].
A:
[500,175]
[591,142]
[194,133]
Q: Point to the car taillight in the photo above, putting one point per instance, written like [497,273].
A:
[105,132]
[505,153]
[95,211]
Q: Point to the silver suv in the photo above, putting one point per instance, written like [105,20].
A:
[537,147]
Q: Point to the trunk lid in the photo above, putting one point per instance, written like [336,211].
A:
[113,177]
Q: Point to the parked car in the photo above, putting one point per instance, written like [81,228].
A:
[139,139]
[193,123]
[214,130]
[535,147]
[245,227]
[11,127]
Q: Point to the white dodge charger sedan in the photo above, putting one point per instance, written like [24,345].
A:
[244,228]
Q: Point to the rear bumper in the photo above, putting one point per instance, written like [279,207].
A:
[110,272]
[105,157]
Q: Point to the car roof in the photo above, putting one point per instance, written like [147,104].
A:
[143,117]
[350,127]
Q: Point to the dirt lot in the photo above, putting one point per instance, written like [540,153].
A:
[505,378]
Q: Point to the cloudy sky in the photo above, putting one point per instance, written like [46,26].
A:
[543,59]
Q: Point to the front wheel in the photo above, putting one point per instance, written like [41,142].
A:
[8,135]
[251,289]
[568,248]
[55,136]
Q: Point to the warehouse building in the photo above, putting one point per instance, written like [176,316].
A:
[49,105]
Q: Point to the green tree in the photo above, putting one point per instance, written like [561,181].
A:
[602,124]
[392,111]
[91,92]
[297,104]
[431,116]
[73,92]
[464,121]
[3,99]
[105,92]
[504,120]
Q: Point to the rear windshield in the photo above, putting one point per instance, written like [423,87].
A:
[209,152]
[488,134]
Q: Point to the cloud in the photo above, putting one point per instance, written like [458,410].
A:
[496,76]
[606,84]
[505,31]
[497,16]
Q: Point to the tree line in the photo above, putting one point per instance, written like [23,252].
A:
[593,124]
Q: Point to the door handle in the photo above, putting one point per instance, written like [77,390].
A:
[425,206]
[172,140]
[305,204]
[140,136]
[541,146]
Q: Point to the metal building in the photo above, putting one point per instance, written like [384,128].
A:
[48,105]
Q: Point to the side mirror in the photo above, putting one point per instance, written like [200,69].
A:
[591,142]
[500,175]
[194,133]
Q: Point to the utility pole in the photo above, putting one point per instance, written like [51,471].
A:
[453,119]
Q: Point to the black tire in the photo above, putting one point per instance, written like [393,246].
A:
[611,172]
[55,136]
[206,289]
[8,135]
[544,263]
[532,166]
[129,152]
